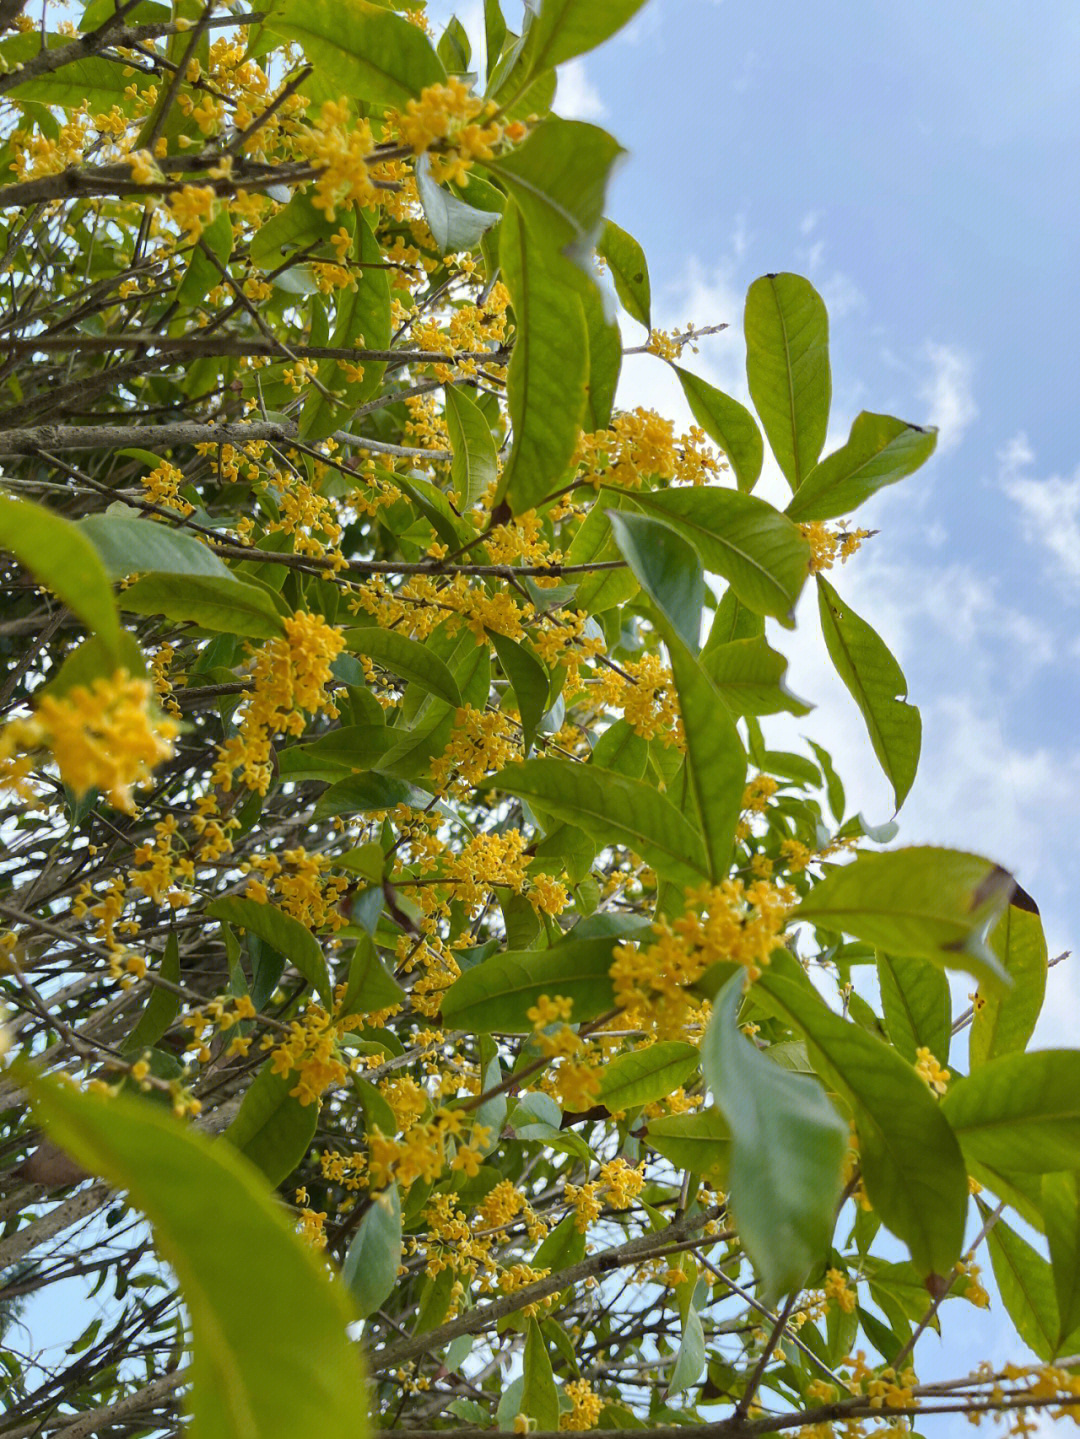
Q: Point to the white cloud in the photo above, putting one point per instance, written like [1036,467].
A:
[1049,508]
[578,98]
[947,390]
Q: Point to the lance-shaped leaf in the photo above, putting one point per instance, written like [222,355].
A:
[629,270]
[539,1397]
[530,680]
[63,558]
[272,1128]
[787,369]
[879,451]
[1005,1019]
[250,1375]
[787,1151]
[296,227]
[728,424]
[545,383]
[475,463]
[911,1163]
[690,1360]
[645,1075]
[612,809]
[698,1142]
[561,29]
[877,685]
[916,1004]
[161,1008]
[370,1270]
[455,225]
[1061,1214]
[214,602]
[932,903]
[497,994]
[285,934]
[1026,1285]
[407,658]
[207,261]
[360,49]
[748,675]
[370,986]
[668,568]
[605,359]
[754,547]
[1021,1112]
[128,546]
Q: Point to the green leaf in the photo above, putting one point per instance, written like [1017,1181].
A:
[207,1206]
[370,1270]
[455,226]
[879,451]
[621,749]
[285,934]
[562,1246]
[668,568]
[787,369]
[728,424]
[1020,1112]
[605,359]
[202,274]
[690,1360]
[539,1397]
[530,680]
[357,746]
[644,1075]
[93,79]
[916,1004]
[877,685]
[475,463]
[612,809]
[756,549]
[61,557]
[787,1151]
[407,658]
[368,791]
[297,227]
[923,901]
[130,546]
[1026,1284]
[715,758]
[363,321]
[910,1160]
[698,1142]
[545,382]
[272,1128]
[161,1008]
[94,659]
[495,995]
[1005,1020]
[1061,1212]
[629,270]
[227,605]
[562,29]
[370,986]
[749,677]
[361,50]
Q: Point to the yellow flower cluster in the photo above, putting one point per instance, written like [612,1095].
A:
[930,1071]
[302,886]
[446,116]
[482,741]
[587,1406]
[826,544]
[311,1050]
[103,736]
[290,675]
[640,447]
[340,147]
[727,922]
[162,485]
[836,1288]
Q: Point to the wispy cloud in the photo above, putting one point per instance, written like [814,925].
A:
[1049,507]
[578,98]
[947,389]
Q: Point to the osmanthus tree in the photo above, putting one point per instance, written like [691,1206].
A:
[405,911]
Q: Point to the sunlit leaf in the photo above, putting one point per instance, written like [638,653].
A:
[787,368]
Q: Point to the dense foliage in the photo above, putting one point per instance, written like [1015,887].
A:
[405,910]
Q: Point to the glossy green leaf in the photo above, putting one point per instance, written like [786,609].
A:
[548,369]
[630,271]
[715,758]
[910,1160]
[496,995]
[562,1246]
[1061,1213]
[407,658]
[272,1128]
[612,809]
[667,567]
[357,746]
[605,359]
[728,424]
[877,685]
[690,1359]
[475,463]
[93,78]
[879,451]
[207,1205]
[163,1005]
[530,680]
[129,546]
[362,50]
[700,1143]
[455,226]
[1005,1019]
[60,556]
[916,1005]
[562,29]
[621,749]
[370,987]
[1026,1285]
[370,1270]
[756,549]
[787,1151]
[1020,1112]
[213,602]
[285,934]
[644,1075]
[923,901]
[296,227]
[539,1397]
[749,677]
[94,659]
[787,369]
[204,270]
[367,791]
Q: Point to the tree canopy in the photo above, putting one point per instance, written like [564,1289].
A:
[432,1002]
